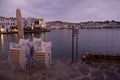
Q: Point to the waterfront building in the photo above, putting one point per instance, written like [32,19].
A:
[2,24]
[10,24]
[57,25]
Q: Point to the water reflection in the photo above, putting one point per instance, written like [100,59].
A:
[16,36]
[42,36]
[32,35]
[2,40]
[6,39]
[90,40]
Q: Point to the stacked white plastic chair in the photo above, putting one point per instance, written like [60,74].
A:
[37,44]
[14,51]
[42,51]
[25,51]
[46,47]
[14,55]
[18,53]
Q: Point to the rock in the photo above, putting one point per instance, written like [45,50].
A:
[43,76]
[96,73]
[84,71]
[83,78]
[118,71]
[94,65]
[56,75]
[72,74]
[103,67]
[117,66]
[35,78]
[111,76]
[99,78]
[4,78]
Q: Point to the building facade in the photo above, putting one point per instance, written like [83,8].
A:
[10,24]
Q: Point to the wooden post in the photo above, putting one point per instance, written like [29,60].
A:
[19,24]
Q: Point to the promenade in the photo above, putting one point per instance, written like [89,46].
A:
[63,70]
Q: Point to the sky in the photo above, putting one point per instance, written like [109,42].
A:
[63,10]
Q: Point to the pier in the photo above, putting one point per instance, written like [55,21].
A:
[26,31]
[101,57]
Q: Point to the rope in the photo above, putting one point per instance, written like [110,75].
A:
[11,14]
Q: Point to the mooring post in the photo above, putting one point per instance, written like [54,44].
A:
[72,43]
[77,48]
[75,32]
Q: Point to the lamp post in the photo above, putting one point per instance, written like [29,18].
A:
[75,32]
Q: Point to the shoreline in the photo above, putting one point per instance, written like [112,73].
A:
[24,32]
[54,29]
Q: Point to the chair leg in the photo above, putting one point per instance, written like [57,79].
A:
[46,62]
[50,59]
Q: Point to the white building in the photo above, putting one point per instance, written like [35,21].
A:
[29,22]
[10,24]
[2,24]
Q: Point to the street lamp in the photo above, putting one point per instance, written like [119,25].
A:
[2,30]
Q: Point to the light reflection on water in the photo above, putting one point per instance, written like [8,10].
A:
[90,40]
[2,40]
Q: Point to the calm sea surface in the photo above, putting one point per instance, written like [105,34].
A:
[90,40]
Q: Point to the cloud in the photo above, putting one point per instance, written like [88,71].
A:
[65,10]
[96,10]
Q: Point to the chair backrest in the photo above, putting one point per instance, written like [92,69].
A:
[37,41]
[15,54]
[45,50]
[25,49]
[39,55]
